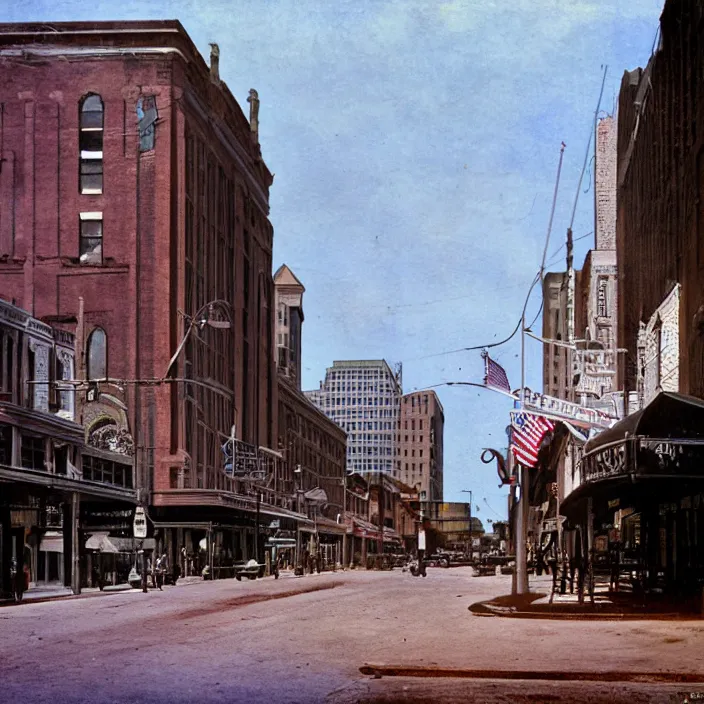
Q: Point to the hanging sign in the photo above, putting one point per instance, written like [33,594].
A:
[140,523]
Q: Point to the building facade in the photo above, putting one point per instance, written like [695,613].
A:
[363,398]
[636,487]
[420,448]
[54,487]
[660,231]
[556,362]
[129,166]
[312,445]
[289,323]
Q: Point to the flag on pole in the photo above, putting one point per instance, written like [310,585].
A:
[495,375]
[527,433]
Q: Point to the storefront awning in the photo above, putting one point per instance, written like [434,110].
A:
[668,415]
[105,543]
[52,541]
[365,529]
[662,443]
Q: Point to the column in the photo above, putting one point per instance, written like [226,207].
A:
[75,544]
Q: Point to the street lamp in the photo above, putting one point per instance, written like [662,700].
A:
[203,317]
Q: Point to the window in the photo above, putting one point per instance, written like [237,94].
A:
[91,239]
[7,364]
[97,355]
[33,449]
[91,145]
[5,444]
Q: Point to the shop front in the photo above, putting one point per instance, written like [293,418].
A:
[209,541]
[109,549]
[640,501]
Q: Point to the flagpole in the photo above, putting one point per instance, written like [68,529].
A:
[522,508]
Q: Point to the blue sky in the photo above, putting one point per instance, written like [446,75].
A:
[415,145]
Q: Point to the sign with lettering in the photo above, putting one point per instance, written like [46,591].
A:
[605,463]
[535,401]
[101,516]
[670,456]
[139,525]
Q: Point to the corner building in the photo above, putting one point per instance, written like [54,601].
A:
[133,194]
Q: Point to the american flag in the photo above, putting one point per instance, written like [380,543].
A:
[494,375]
[527,432]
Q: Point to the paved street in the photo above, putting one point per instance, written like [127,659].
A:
[305,640]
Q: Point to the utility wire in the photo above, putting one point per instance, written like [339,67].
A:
[589,142]
[538,276]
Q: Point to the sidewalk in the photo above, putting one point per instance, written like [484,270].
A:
[607,605]
[53,593]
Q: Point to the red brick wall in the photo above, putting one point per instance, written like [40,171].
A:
[136,293]
[660,227]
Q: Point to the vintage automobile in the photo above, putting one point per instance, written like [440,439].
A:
[250,569]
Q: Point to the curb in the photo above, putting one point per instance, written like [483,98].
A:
[664,677]
[572,613]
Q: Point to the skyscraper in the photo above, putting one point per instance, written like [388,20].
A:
[420,459]
[363,398]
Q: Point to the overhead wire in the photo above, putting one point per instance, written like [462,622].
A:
[589,142]
[538,277]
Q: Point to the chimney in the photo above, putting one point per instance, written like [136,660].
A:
[253,101]
[215,62]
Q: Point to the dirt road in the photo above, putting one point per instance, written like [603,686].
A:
[305,640]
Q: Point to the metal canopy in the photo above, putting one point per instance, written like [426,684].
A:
[668,415]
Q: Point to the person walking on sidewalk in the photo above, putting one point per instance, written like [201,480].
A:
[159,568]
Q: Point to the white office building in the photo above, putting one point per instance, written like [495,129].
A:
[363,398]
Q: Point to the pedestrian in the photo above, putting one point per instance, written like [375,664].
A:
[159,568]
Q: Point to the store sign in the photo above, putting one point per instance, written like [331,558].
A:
[606,463]
[670,456]
[139,525]
[535,401]
[97,516]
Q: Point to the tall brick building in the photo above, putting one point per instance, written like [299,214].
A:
[420,447]
[313,446]
[132,194]
[660,231]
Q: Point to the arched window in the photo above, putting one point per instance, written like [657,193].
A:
[97,354]
[91,144]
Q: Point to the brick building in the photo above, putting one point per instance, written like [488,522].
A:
[313,446]
[637,488]
[420,447]
[660,232]
[133,194]
[58,493]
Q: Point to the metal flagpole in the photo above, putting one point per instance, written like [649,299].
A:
[522,508]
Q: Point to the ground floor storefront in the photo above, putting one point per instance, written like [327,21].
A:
[211,541]
[44,531]
[637,517]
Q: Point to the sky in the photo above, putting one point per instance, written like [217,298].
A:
[415,146]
